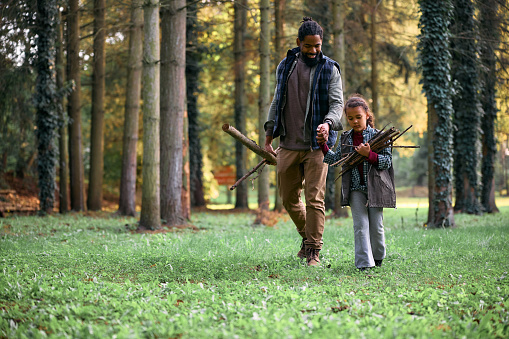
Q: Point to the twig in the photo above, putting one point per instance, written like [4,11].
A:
[260,164]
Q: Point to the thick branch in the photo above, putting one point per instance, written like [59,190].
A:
[249,143]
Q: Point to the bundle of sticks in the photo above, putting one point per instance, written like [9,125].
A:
[383,139]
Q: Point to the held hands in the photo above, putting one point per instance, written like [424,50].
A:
[363,149]
[322,133]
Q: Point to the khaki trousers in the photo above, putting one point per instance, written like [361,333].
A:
[297,170]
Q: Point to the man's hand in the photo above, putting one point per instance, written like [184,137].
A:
[268,146]
[363,149]
[322,133]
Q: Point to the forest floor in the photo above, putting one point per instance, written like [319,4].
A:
[19,196]
[93,276]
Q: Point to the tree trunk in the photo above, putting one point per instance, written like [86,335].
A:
[490,22]
[435,58]
[264,102]
[193,69]
[240,8]
[467,108]
[432,121]
[127,200]
[186,175]
[173,91]
[62,141]
[279,46]
[150,217]
[374,70]
[339,48]
[46,102]
[74,108]
[95,192]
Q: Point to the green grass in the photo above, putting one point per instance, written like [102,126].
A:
[83,277]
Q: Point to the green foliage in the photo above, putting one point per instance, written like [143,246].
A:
[434,61]
[76,276]
[46,102]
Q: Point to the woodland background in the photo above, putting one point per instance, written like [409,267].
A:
[375,42]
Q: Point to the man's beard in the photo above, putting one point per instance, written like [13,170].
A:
[310,61]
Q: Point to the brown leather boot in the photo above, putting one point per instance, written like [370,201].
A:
[312,256]
[302,252]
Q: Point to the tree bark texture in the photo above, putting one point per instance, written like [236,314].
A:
[62,141]
[127,200]
[95,183]
[279,43]
[374,70]
[150,217]
[490,22]
[74,108]
[173,94]
[186,175]
[193,69]
[264,101]
[339,48]
[240,23]
[432,121]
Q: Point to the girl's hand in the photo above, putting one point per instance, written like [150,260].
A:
[363,149]
[322,135]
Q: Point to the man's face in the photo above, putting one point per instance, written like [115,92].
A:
[310,46]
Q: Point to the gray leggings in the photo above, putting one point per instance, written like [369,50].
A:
[368,230]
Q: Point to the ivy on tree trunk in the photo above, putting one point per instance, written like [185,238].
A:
[467,108]
[46,101]
[434,60]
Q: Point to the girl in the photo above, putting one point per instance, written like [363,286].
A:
[368,188]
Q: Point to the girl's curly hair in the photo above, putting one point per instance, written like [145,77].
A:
[356,100]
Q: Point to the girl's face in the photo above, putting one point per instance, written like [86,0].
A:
[357,118]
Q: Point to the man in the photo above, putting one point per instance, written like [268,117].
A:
[308,97]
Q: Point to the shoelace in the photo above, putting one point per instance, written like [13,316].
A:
[313,253]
